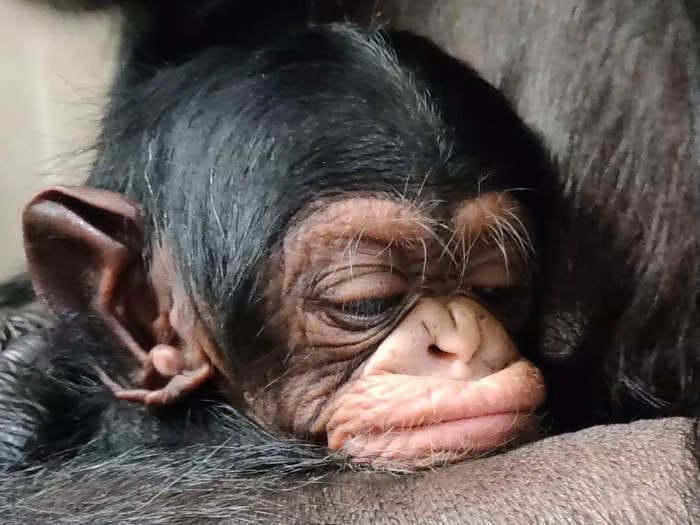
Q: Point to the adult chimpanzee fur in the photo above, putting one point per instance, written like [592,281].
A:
[619,321]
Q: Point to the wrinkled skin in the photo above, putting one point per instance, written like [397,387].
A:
[383,323]
[417,366]
[607,474]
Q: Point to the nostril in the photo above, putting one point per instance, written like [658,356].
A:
[435,350]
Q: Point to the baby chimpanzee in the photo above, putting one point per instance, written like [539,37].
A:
[321,231]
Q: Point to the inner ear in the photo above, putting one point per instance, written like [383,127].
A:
[79,243]
[84,254]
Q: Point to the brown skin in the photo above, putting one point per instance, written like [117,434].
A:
[394,356]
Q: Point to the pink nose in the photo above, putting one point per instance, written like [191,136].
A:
[456,339]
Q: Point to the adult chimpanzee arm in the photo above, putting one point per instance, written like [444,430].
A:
[611,474]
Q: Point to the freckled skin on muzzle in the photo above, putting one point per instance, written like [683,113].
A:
[446,384]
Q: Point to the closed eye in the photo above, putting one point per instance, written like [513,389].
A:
[369,307]
[364,313]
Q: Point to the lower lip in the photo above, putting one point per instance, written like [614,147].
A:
[457,439]
[473,433]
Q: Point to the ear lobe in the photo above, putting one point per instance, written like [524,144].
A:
[78,242]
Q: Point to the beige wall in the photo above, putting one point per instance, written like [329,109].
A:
[55,68]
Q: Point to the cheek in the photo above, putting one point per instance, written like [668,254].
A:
[419,421]
[308,362]
[309,334]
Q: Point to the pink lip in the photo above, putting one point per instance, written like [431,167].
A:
[400,418]
[449,440]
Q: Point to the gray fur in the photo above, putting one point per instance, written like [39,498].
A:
[637,473]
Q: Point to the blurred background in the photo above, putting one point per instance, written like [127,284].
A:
[58,60]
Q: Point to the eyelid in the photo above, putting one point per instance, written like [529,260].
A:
[347,286]
[366,287]
[493,272]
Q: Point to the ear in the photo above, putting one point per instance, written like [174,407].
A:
[78,241]
[84,253]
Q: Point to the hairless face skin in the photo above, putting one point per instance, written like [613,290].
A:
[418,367]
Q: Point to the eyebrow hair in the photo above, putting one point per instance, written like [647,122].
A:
[382,221]
[486,209]
[386,222]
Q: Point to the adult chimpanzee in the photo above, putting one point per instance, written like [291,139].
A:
[184,304]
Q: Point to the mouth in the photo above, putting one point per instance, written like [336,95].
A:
[423,421]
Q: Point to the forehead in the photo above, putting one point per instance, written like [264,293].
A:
[381,219]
